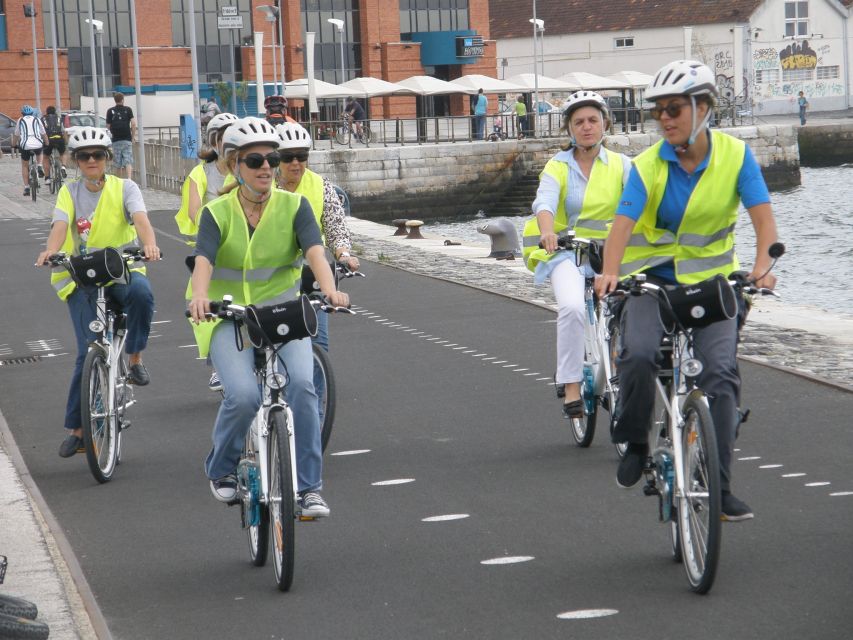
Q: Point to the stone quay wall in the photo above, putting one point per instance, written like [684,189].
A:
[826,145]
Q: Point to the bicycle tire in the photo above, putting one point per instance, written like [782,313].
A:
[123,390]
[583,429]
[700,540]
[365,137]
[326,392]
[34,182]
[614,346]
[16,628]
[342,134]
[18,607]
[258,535]
[282,508]
[100,425]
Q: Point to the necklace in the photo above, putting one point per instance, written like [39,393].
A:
[248,199]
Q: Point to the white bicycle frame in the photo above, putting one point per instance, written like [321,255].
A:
[113,345]
[597,344]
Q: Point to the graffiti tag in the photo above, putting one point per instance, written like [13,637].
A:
[765,59]
[798,56]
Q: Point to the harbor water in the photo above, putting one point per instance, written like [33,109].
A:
[815,221]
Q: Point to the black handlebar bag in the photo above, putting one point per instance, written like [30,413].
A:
[697,305]
[281,323]
[99,268]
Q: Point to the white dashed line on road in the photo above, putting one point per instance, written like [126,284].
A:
[388,483]
[585,614]
[771,466]
[354,452]
[817,484]
[793,475]
[446,518]
[842,493]
[507,560]
[750,458]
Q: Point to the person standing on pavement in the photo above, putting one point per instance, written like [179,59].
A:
[30,137]
[803,104]
[122,126]
[579,189]
[481,106]
[94,212]
[520,117]
[676,223]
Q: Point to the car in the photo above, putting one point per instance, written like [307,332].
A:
[7,129]
[72,120]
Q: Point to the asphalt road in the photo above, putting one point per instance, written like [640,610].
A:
[436,381]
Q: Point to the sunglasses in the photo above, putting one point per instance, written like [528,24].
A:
[287,158]
[85,156]
[673,110]
[256,160]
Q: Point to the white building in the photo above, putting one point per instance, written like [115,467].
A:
[764,52]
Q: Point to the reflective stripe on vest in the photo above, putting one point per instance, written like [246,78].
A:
[600,200]
[311,186]
[264,269]
[704,244]
[109,227]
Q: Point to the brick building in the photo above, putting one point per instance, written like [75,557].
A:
[387,39]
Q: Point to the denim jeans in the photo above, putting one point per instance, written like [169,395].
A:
[321,340]
[136,299]
[479,127]
[242,399]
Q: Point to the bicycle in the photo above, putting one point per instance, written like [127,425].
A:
[106,393]
[600,383]
[683,468]
[324,377]
[55,171]
[33,176]
[346,130]
[266,473]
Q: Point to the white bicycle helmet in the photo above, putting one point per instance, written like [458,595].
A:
[217,122]
[249,131]
[293,136]
[585,99]
[682,78]
[89,137]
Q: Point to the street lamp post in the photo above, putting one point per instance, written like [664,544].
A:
[535,76]
[271,13]
[281,43]
[30,12]
[339,25]
[92,61]
[55,61]
[98,26]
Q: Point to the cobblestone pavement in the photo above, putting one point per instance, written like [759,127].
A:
[812,354]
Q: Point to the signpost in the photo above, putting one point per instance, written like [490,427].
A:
[469,46]
[230,18]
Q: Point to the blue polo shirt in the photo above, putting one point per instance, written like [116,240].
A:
[679,186]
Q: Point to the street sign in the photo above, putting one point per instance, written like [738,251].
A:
[228,12]
[229,22]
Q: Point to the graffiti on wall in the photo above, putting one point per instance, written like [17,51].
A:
[819,89]
[798,56]
[767,58]
[723,62]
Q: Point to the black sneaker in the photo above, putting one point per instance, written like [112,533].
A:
[26,191]
[40,171]
[224,489]
[573,409]
[313,505]
[138,375]
[631,466]
[734,510]
[71,445]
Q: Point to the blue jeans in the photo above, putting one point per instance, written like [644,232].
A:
[322,341]
[136,299]
[242,399]
[479,127]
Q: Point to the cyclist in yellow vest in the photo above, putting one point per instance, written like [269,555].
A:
[203,184]
[94,212]
[675,222]
[251,243]
[579,189]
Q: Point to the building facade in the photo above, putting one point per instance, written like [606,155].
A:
[387,39]
[764,52]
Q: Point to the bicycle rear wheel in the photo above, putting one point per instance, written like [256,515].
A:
[324,384]
[342,133]
[258,531]
[698,510]
[34,182]
[281,505]
[100,426]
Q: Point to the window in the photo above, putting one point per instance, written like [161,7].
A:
[624,43]
[433,15]
[796,19]
[797,75]
[828,73]
[327,43]
[766,76]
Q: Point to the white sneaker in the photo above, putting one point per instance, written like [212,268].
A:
[313,505]
[224,489]
[214,384]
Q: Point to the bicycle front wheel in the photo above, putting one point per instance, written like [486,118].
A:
[281,500]
[259,521]
[324,384]
[342,134]
[100,426]
[698,510]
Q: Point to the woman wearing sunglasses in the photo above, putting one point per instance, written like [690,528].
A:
[675,222]
[94,212]
[252,231]
[579,189]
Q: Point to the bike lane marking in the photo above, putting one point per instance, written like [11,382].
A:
[507,560]
[387,483]
[353,452]
[446,518]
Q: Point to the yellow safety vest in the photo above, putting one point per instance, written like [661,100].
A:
[311,186]
[264,269]
[705,243]
[188,228]
[599,205]
[110,228]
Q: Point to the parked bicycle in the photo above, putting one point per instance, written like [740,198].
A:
[684,468]
[347,131]
[266,473]
[106,393]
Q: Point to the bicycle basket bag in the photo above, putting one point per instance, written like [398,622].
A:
[281,323]
[98,268]
[698,305]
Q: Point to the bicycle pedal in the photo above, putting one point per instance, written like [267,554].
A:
[650,490]
[306,518]
[124,425]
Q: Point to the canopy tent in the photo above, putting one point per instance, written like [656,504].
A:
[299,89]
[634,79]
[593,82]
[474,82]
[429,86]
[369,87]
[526,82]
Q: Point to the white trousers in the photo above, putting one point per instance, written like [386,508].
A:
[567,281]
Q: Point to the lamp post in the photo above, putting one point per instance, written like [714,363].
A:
[535,76]
[30,12]
[274,15]
[93,63]
[339,24]
[271,14]
[55,61]
[98,26]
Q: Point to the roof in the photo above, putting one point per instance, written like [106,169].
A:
[510,18]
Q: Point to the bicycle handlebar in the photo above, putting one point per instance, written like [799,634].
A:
[133,254]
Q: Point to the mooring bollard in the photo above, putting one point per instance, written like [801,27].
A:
[400,223]
[504,238]
[414,227]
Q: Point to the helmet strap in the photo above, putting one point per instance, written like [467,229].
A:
[257,194]
[696,128]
